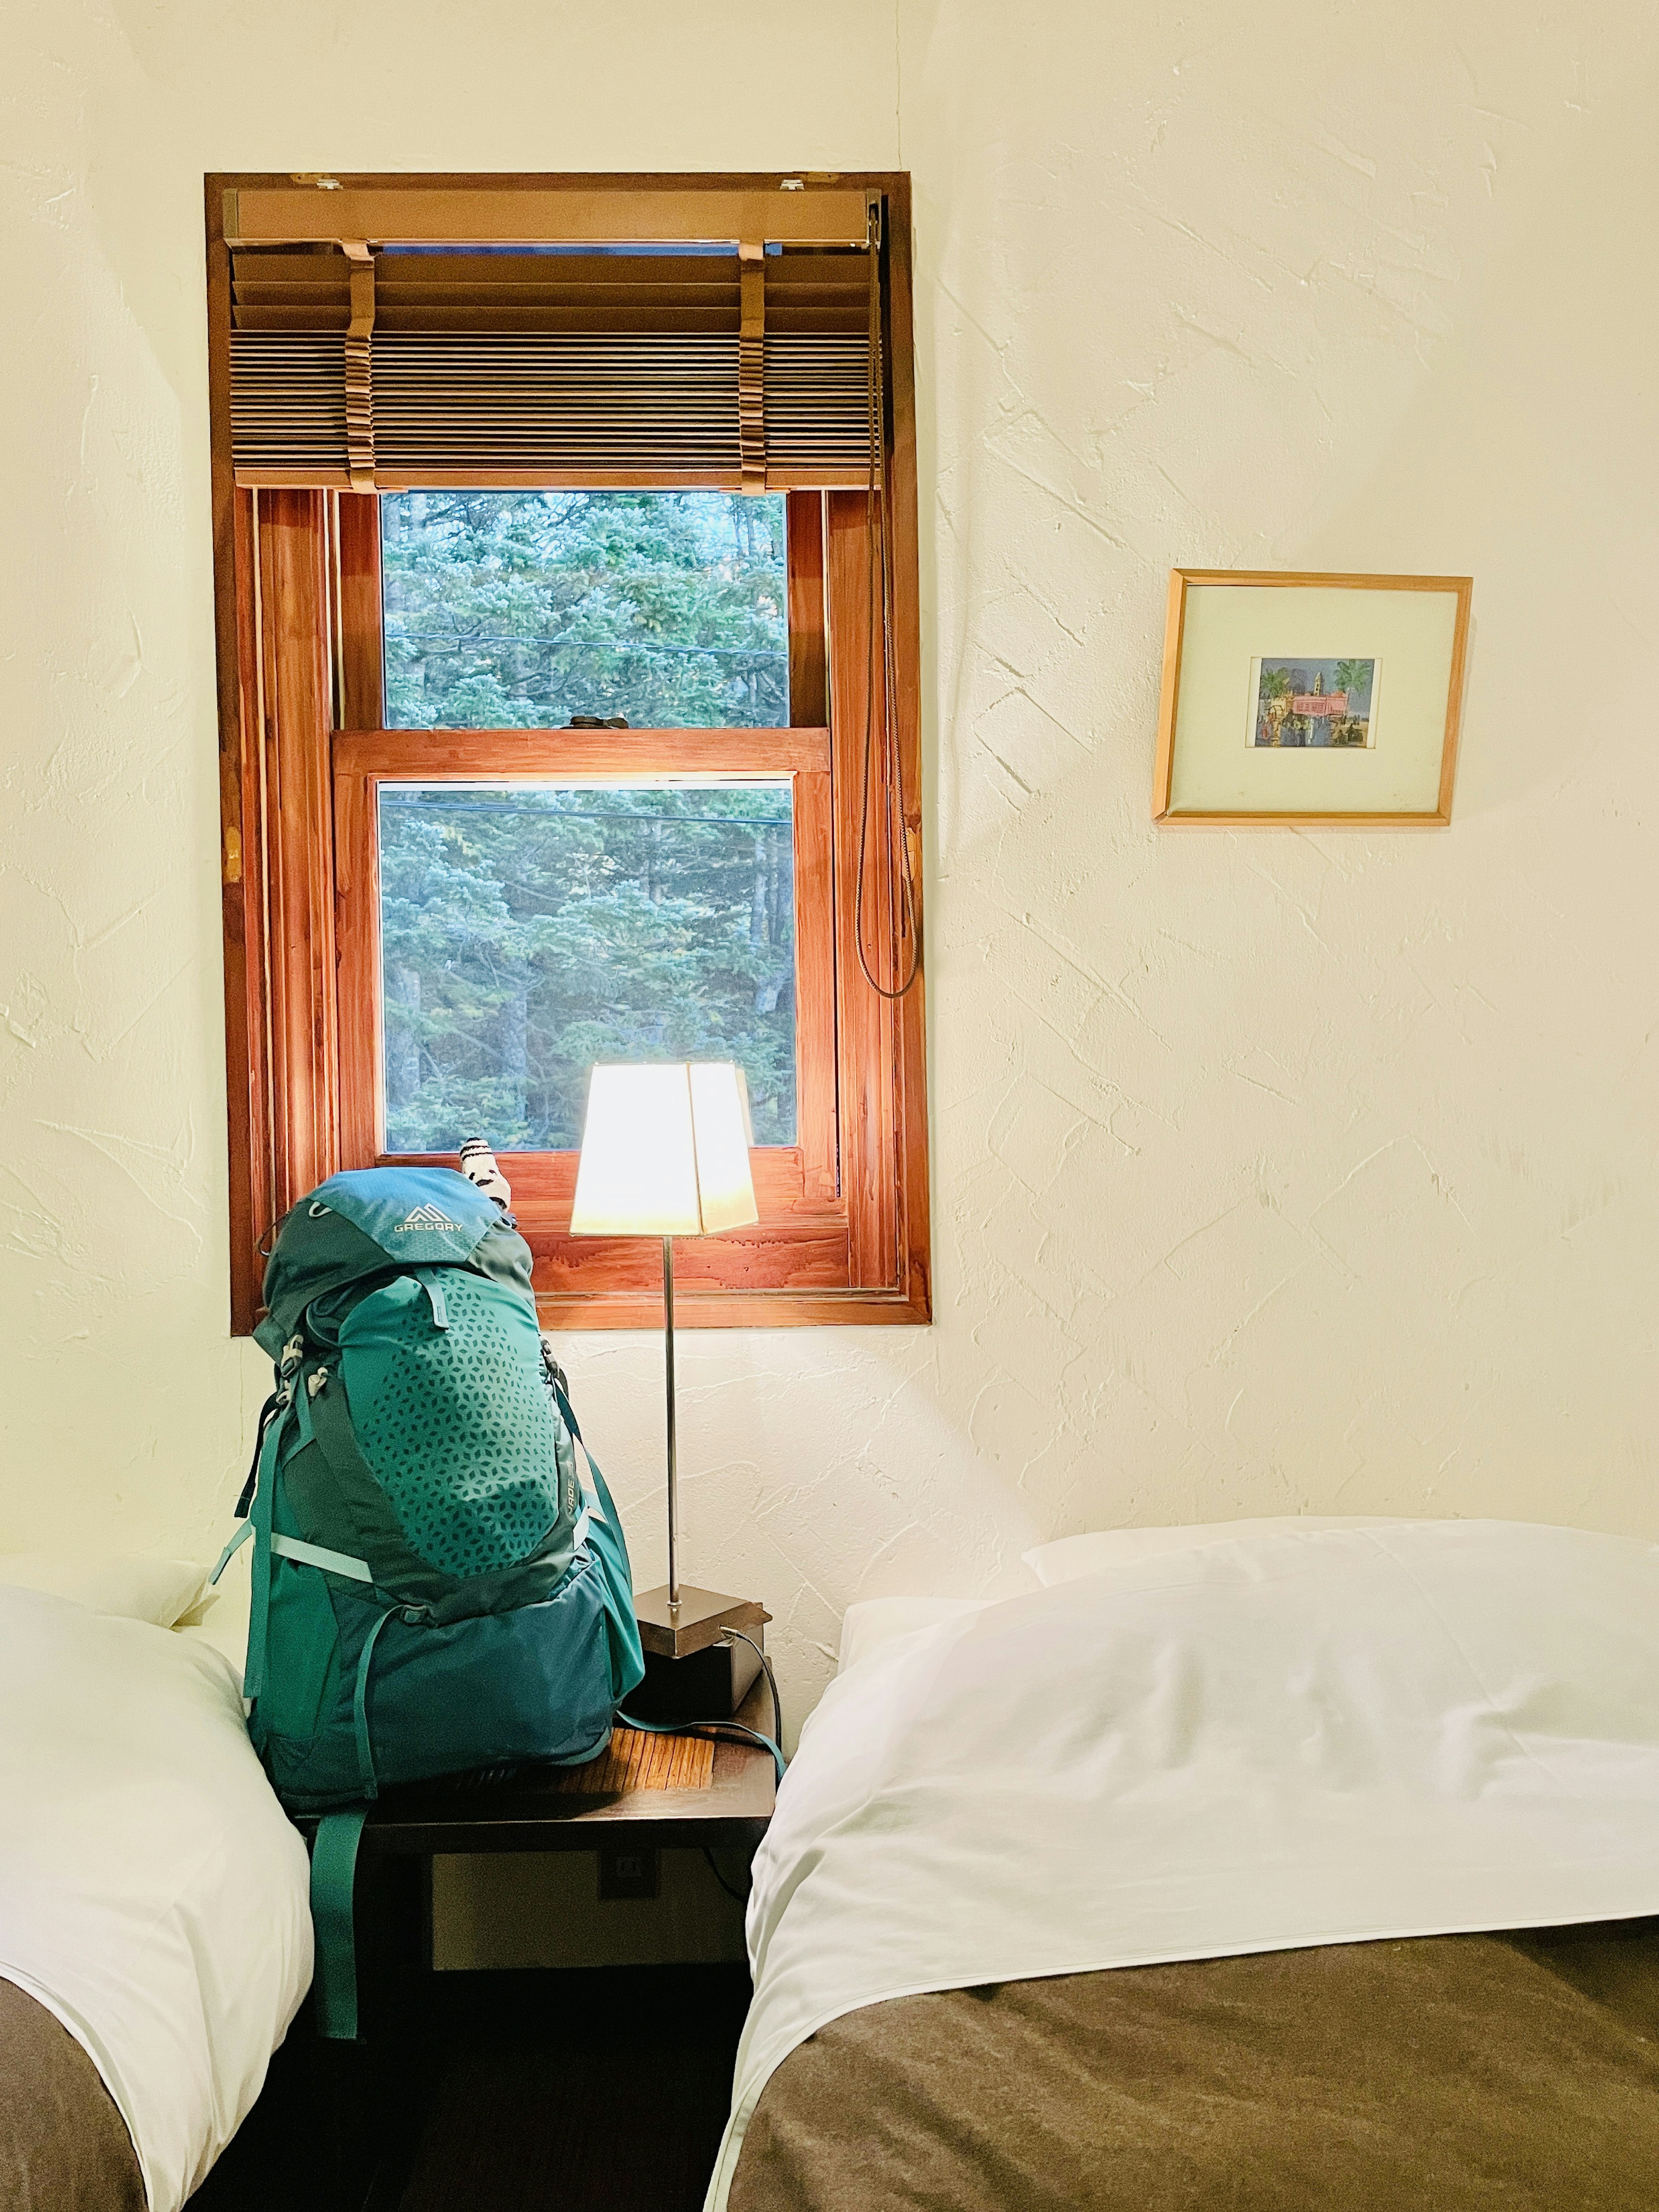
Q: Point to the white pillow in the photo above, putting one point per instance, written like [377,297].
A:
[129,1587]
[876,1620]
[220,1618]
[1069,1557]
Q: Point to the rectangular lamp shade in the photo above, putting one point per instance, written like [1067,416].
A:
[665,1151]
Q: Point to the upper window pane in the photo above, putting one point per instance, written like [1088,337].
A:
[518,610]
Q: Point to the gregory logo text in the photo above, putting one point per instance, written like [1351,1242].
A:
[425,1217]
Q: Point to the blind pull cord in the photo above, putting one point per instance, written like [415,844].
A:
[903,961]
[751,368]
[360,367]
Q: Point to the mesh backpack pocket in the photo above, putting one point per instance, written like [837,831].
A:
[449,1410]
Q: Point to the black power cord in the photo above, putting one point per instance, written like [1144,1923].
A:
[716,1729]
[738,1896]
[773,1744]
[771,1680]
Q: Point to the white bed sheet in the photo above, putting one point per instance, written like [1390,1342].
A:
[1258,1745]
[153,1895]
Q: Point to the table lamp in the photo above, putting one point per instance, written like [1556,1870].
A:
[664,1153]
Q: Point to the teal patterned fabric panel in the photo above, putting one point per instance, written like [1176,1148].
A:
[455,1422]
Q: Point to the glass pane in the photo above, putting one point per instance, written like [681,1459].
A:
[516,610]
[527,933]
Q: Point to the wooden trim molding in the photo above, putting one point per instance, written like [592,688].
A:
[843,1235]
[533,756]
[503,211]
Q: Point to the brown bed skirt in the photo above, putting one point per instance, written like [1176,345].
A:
[1512,2073]
[63,2145]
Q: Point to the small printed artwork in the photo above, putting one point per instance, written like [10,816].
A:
[1297,701]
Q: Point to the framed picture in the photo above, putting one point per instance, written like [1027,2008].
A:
[1295,699]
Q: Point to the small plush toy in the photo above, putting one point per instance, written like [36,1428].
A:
[478,1166]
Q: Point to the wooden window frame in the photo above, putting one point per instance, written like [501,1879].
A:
[844,1233]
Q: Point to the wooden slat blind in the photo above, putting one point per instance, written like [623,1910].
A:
[487,367]
[309,288]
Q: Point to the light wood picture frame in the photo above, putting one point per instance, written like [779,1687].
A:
[1292,699]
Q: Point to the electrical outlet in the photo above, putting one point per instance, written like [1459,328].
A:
[628,1870]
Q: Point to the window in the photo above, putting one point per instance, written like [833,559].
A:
[555,705]
[527,930]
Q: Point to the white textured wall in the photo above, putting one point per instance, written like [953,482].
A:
[1271,1170]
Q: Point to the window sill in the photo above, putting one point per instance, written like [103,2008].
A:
[560,1311]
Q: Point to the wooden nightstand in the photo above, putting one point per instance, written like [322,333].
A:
[591,1809]
[371,2098]
[601,1808]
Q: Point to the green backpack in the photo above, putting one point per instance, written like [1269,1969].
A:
[433,1589]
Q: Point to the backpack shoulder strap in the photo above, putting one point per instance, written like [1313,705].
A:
[609,1549]
[230,1551]
[260,1520]
[596,1490]
[333,1879]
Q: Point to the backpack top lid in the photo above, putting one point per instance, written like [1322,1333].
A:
[431,1217]
[374,1221]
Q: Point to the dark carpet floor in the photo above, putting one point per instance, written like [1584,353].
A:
[501,2093]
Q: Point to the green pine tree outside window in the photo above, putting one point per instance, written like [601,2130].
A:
[517,609]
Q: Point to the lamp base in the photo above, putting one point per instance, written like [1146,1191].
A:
[690,1673]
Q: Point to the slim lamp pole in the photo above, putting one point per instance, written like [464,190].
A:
[673,1465]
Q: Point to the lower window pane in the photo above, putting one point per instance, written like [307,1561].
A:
[527,933]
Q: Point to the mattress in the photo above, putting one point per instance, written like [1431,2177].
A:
[63,2145]
[153,1893]
[1468,2073]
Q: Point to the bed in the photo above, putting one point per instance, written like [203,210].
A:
[1297,1868]
[155,1934]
